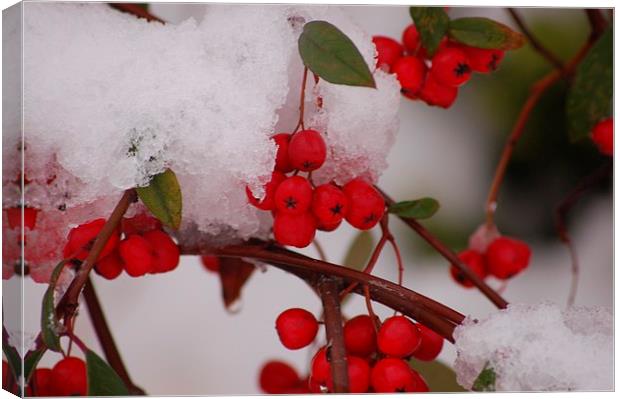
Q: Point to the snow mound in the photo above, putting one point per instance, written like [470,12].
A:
[110,100]
[539,348]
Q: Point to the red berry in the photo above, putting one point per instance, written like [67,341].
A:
[5,376]
[267,203]
[394,375]
[444,43]
[329,205]
[296,328]
[110,267]
[366,205]
[211,263]
[294,196]
[139,224]
[507,257]
[320,369]
[410,72]
[451,67]
[283,164]
[137,254]
[483,60]
[475,261]
[359,375]
[295,230]
[69,377]
[603,136]
[82,237]
[398,337]
[165,250]
[42,381]
[307,150]
[327,227]
[277,377]
[431,344]
[437,94]
[14,217]
[388,51]
[411,39]
[360,337]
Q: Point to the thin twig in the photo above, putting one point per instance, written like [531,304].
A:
[302,101]
[562,211]
[328,288]
[440,247]
[319,250]
[106,340]
[536,44]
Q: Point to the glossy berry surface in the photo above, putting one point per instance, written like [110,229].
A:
[450,67]
[430,346]
[42,381]
[277,377]
[110,267]
[410,72]
[507,256]
[82,237]
[140,224]
[388,51]
[283,164]
[294,230]
[393,375]
[360,337]
[475,261]
[437,94]
[267,203]
[359,375]
[14,217]
[320,368]
[293,195]
[137,255]
[411,39]
[211,263]
[165,250]
[398,337]
[329,205]
[603,136]
[296,328]
[307,150]
[366,205]
[69,377]
[483,60]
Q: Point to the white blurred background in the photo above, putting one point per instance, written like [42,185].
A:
[175,335]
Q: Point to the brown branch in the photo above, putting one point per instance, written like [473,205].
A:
[106,340]
[451,257]
[69,302]
[434,315]
[536,44]
[561,213]
[598,22]
[135,9]
[328,288]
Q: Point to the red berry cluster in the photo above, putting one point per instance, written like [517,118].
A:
[603,136]
[504,258]
[299,207]
[434,80]
[376,355]
[66,378]
[144,247]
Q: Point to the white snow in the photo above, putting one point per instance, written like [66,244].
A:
[110,100]
[539,348]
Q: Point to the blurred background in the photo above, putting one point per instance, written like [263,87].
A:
[177,338]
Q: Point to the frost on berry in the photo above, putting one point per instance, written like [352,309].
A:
[204,100]
[536,347]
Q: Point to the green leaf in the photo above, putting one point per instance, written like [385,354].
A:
[13,359]
[590,96]
[432,23]
[102,379]
[31,361]
[438,376]
[359,251]
[422,208]
[332,56]
[485,33]
[163,198]
[485,382]
[50,326]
